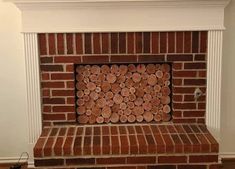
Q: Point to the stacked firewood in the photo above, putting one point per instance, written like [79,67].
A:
[123,93]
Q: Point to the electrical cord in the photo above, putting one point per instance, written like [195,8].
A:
[18,164]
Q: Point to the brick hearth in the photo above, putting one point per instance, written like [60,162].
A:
[146,145]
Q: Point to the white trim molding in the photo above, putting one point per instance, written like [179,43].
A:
[214,64]
[227,155]
[120,15]
[33,90]
[6,160]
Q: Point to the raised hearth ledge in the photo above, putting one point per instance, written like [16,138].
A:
[179,15]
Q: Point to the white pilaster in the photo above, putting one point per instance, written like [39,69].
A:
[214,63]
[33,90]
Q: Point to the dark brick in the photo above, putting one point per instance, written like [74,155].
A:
[48,146]
[69,42]
[133,144]
[178,143]
[184,73]
[179,42]
[141,160]
[115,145]
[194,113]
[114,43]
[200,57]
[122,42]
[203,42]
[46,59]
[187,42]
[183,90]
[143,146]
[54,132]
[62,76]
[184,106]
[42,44]
[138,42]
[63,109]
[186,143]
[53,101]
[63,92]
[53,116]
[96,43]
[38,148]
[67,59]
[106,145]
[195,142]
[179,57]
[195,82]
[88,45]
[172,159]
[201,65]
[105,43]
[60,43]
[80,161]
[52,84]
[79,43]
[96,59]
[203,158]
[171,42]
[192,167]
[124,144]
[162,167]
[151,58]
[51,68]
[146,42]
[155,42]
[96,145]
[87,145]
[51,40]
[123,58]
[163,40]
[67,147]
[48,162]
[113,160]
[195,42]
[168,142]
[130,42]
[58,146]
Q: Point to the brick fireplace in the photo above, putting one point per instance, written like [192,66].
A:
[171,131]
[185,51]
[178,104]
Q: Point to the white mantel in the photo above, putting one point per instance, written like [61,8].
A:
[121,15]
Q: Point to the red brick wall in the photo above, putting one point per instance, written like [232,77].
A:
[59,52]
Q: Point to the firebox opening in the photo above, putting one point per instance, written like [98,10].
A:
[123,93]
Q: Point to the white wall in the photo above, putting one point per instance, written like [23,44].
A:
[228,83]
[13,122]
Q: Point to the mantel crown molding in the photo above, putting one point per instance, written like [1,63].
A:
[120,15]
[27,4]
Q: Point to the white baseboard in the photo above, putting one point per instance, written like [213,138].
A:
[12,159]
[227,155]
